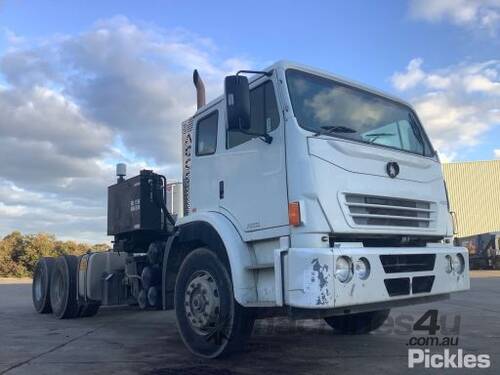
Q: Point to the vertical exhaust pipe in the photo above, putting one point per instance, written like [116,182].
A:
[200,90]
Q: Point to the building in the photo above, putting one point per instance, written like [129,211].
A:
[474,192]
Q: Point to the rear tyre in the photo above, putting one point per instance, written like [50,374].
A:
[357,324]
[63,287]
[211,323]
[40,290]
[89,309]
[142,300]
[154,297]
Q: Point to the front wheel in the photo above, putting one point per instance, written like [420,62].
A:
[357,324]
[211,323]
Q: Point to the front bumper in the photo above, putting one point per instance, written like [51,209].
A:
[308,277]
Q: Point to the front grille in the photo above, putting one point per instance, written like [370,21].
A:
[408,262]
[398,287]
[387,211]
[422,284]
[401,286]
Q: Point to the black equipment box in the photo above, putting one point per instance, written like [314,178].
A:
[136,204]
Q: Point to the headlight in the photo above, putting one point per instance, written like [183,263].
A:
[458,263]
[343,269]
[362,268]
[448,264]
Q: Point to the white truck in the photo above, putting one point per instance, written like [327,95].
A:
[304,194]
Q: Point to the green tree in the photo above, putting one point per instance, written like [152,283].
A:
[9,267]
[19,253]
[36,246]
[11,249]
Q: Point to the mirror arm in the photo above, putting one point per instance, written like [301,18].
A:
[267,138]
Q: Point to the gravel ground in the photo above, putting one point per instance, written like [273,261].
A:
[130,341]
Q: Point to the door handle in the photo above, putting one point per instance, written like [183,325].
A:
[221,189]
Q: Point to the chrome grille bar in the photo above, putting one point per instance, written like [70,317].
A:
[375,210]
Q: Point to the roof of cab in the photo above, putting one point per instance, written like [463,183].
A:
[286,64]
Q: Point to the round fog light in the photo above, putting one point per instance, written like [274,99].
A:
[458,263]
[448,264]
[343,269]
[362,268]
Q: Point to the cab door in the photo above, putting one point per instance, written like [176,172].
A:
[203,182]
[252,186]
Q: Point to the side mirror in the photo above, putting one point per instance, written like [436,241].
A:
[237,93]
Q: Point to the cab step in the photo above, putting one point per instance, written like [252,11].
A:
[262,304]
[260,266]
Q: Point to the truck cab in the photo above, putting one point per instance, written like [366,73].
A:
[334,190]
[327,195]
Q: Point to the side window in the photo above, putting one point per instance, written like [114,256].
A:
[206,134]
[263,115]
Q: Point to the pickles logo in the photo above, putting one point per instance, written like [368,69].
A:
[450,357]
[447,359]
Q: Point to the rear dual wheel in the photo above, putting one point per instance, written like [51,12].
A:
[211,323]
[54,289]
[40,290]
[63,287]
[89,309]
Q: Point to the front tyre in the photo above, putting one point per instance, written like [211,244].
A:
[211,323]
[357,324]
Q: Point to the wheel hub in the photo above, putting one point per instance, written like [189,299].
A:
[202,302]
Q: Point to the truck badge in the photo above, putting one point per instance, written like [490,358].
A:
[392,169]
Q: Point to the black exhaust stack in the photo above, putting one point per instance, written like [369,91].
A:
[200,90]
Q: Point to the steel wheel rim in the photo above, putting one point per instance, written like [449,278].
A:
[202,302]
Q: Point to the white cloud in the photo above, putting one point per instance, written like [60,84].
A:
[481,83]
[483,14]
[73,105]
[497,153]
[447,158]
[457,104]
[411,77]
[12,38]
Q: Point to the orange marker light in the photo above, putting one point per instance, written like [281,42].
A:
[294,213]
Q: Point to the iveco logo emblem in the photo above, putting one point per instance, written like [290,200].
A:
[392,169]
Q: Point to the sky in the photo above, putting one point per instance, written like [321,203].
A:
[86,84]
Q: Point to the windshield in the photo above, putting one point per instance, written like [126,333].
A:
[328,107]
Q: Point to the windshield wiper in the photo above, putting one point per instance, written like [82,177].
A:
[335,129]
[377,136]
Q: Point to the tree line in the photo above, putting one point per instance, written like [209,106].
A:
[20,252]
